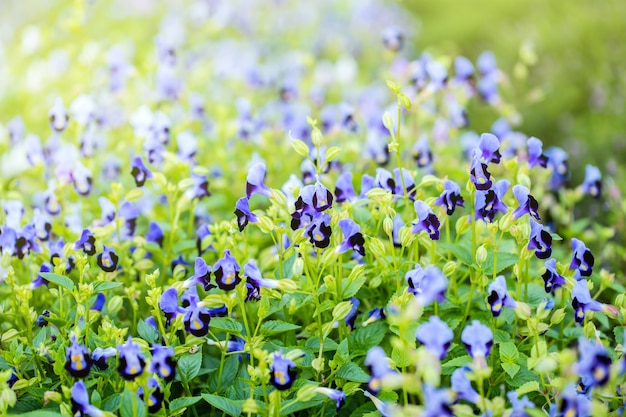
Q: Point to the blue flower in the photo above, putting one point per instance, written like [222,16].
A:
[479,174]
[226,271]
[255,181]
[527,203]
[87,242]
[155,234]
[282,372]
[450,198]
[477,339]
[426,220]
[243,213]
[155,400]
[535,153]
[139,171]
[41,319]
[107,259]
[428,284]
[169,304]
[203,232]
[200,187]
[99,302]
[395,233]
[489,146]
[353,239]
[201,276]
[573,404]
[319,231]
[393,38]
[519,405]
[582,259]
[436,336]
[131,361]
[374,315]
[100,356]
[582,301]
[163,363]
[488,204]
[462,386]
[486,63]
[344,190]
[551,277]
[592,184]
[58,116]
[594,363]
[78,359]
[499,296]
[80,401]
[333,394]
[255,281]
[437,402]
[540,240]
[351,317]
[557,161]
[378,366]
[421,152]
[463,68]
[196,318]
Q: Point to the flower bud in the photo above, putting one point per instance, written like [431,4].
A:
[300,147]
[557,316]
[481,255]
[376,247]
[388,226]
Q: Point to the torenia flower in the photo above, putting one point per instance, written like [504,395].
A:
[535,153]
[450,197]
[594,363]
[169,304]
[436,336]
[527,203]
[155,400]
[107,259]
[437,402]
[163,362]
[582,259]
[540,240]
[202,275]
[557,161]
[226,271]
[139,171]
[131,361]
[426,220]
[99,302]
[573,404]
[428,284]
[582,301]
[243,213]
[100,356]
[353,239]
[58,116]
[374,315]
[378,365]
[462,386]
[519,404]
[255,280]
[477,339]
[78,359]
[551,277]
[344,190]
[333,394]
[282,372]
[86,242]
[499,297]
[479,174]
[196,318]
[351,317]
[255,181]
[155,234]
[393,38]
[80,402]
[489,203]
[592,184]
[319,231]
[489,148]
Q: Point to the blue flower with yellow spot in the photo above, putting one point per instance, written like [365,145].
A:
[282,372]
[155,397]
[107,260]
[226,271]
[163,363]
[131,361]
[78,359]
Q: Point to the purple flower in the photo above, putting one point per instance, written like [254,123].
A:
[155,234]
[421,152]
[488,88]
[163,362]
[540,240]
[317,196]
[139,171]
[582,301]
[333,394]
[489,203]
[582,259]
[78,359]
[107,259]
[169,304]
[40,280]
[450,197]
[42,225]
[527,203]
[202,233]
[378,365]
[426,220]
[393,38]
[462,386]
[594,363]
[489,148]
[436,336]
[592,184]
[519,405]
[202,275]
[282,372]
[395,233]
[243,213]
[535,153]
[351,317]
[87,242]
[437,402]
[353,239]
[155,400]
[463,68]
[98,302]
[428,284]
[319,231]
[129,212]
[101,355]
[499,297]
[131,361]
[479,174]
[16,130]
[200,187]
[551,277]
[344,191]
[80,401]
[409,183]
[557,161]
[486,63]
[255,281]
[226,271]
[374,315]
[42,319]
[58,116]
[255,181]
[573,404]
[477,339]
[196,318]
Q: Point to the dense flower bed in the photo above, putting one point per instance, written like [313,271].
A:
[248,219]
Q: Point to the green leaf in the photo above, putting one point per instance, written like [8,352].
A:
[179,403]
[112,403]
[462,252]
[503,261]
[189,366]
[529,386]
[458,362]
[38,413]
[365,338]
[522,377]
[60,280]
[287,268]
[353,287]
[352,372]
[226,325]
[293,406]
[314,344]
[509,353]
[105,285]
[184,246]
[147,332]
[618,332]
[226,405]
[132,402]
[229,373]
[272,327]
[510,368]
[500,336]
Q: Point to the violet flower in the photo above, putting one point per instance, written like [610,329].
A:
[535,153]
[582,259]
[557,161]
[479,174]
[519,405]
[282,372]
[87,242]
[499,296]
[131,361]
[428,285]
[582,301]
[80,401]
[377,363]
[243,213]
[594,363]
[255,181]
[426,220]
[437,402]
[226,271]
[527,203]
[319,231]
[107,259]
[100,356]
[477,339]
[163,363]
[450,198]
[78,359]
[255,281]
[436,336]
[155,400]
[540,240]
[139,171]
[333,394]
[201,276]
[344,190]
[155,234]
[592,184]
[462,386]
[353,239]
[58,116]
[551,277]
[489,146]
[421,152]
[488,204]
